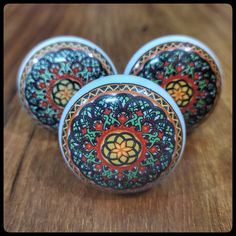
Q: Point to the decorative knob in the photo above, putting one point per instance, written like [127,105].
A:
[54,70]
[186,68]
[122,133]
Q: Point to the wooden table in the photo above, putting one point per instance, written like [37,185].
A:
[41,194]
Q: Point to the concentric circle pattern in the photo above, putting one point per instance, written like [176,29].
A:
[121,137]
[54,73]
[187,72]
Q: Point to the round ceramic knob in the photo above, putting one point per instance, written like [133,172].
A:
[186,68]
[122,133]
[54,70]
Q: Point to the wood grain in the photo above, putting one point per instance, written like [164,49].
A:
[41,194]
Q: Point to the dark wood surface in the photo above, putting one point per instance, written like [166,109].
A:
[41,194]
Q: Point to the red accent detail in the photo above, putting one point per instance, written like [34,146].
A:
[83,130]
[157,162]
[58,115]
[55,70]
[142,168]
[43,104]
[89,69]
[89,146]
[98,126]
[75,70]
[160,134]
[42,85]
[119,175]
[145,128]
[191,64]
[196,76]
[99,167]
[122,118]
[135,179]
[153,149]
[179,69]
[159,75]
[166,63]
[139,113]
[107,111]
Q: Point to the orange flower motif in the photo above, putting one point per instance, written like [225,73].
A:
[181,91]
[63,91]
[178,94]
[121,149]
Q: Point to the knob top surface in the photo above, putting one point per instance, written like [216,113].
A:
[54,70]
[122,133]
[186,68]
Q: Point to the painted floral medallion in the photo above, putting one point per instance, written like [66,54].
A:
[121,137]
[54,73]
[187,72]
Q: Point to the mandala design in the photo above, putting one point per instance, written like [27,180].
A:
[52,76]
[121,137]
[190,76]
[121,148]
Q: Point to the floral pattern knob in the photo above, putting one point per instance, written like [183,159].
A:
[122,133]
[186,68]
[54,70]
